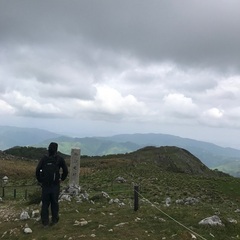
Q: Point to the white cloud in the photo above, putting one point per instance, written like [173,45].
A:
[214,113]
[226,90]
[178,105]
[28,106]
[5,108]
[214,117]
[110,102]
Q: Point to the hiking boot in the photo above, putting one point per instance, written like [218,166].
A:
[54,221]
[45,225]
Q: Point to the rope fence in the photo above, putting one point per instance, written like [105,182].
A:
[16,192]
[136,192]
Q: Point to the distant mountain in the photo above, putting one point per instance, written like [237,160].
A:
[210,154]
[15,136]
[231,167]
[92,146]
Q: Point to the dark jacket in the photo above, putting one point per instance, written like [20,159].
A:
[61,164]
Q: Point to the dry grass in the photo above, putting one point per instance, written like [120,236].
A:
[17,169]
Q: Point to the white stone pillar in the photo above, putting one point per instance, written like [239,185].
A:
[74,168]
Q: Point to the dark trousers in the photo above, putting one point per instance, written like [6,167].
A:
[50,196]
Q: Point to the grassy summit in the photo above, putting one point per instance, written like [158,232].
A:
[160,173]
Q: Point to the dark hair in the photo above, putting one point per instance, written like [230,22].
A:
[52,148]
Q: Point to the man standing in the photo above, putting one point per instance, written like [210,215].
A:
[48,175]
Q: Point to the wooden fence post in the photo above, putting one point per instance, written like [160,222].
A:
[26,194]
[14,193]
[136,188]
[3,191]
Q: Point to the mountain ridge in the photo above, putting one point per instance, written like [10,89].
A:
[166,158]
[16,136]
[210,154]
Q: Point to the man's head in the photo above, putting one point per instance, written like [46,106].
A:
[52,148]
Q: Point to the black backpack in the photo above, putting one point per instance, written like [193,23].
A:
[50,170]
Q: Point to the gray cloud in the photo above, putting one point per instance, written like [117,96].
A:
[197,33]
[133,63]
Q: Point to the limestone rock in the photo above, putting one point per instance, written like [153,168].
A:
[24,215]
[74,190]
[120,180]
[81,223]
[116,200]
[212,221]
[104,194]
[101,226]
[231,220]
[27,230]
[168,201]
[121,224]
[35,213]
[188,201]
[193,236]
[65,197]
[85,196]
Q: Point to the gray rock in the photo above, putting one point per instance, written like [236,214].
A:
[212,221]
[231,220]
[168,201]
[121,224]
[188,201]
[65,197]
[27,230]
[24,215]
[104,194]
[120,180]
[180,201]
[81,223]
[35,213]
[191,201]
[74,190]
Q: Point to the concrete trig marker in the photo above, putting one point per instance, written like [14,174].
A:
[74,187]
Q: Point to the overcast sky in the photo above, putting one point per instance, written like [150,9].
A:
[99,68]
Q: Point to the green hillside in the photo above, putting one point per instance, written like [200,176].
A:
[29,152]
[232,167]
[92,146]
[173,159]
[211,155]
[160,175]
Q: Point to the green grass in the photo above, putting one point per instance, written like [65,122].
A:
[218,195]
[143,224]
